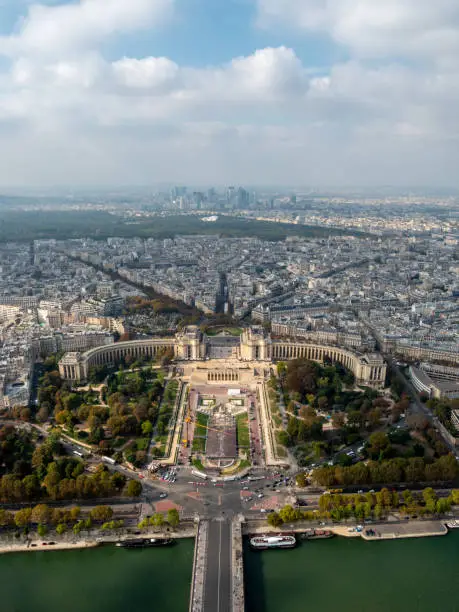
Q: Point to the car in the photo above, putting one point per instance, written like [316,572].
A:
[163,495]
[360,491]
[260,495]
[263,510]
[141,476]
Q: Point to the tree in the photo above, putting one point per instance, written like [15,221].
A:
[274,519]
[338,420]
[41,514]
[22,517]
[118,480]
[42,530]
[322,403]
[144,523]
[101,514]
[147,428]
[78,527]
[378,444]
[6,518]
[43,413]
[75,512]
[443,506]
[301,480]
[61,528]
[287,514]
[133,488]
[173,517]
[31,486]
[281,368]
[157,520]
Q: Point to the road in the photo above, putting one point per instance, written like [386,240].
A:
[217,586]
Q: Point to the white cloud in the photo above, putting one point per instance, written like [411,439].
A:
[69,115]
[374,28]
[147,73]
[48,30]
[257,119]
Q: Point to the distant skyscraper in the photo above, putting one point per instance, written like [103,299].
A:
[198,199]
[242,198]
[177,192]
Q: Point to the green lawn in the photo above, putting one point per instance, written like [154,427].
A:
[281,451]
[242,429]
[200,433]
[197,463]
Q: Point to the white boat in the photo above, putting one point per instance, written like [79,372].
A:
[263,542]
[454,524]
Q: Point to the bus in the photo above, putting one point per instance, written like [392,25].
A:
[108,460]
[199,474]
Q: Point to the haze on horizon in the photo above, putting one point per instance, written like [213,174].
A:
[268,92]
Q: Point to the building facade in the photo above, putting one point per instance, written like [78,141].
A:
[256,345]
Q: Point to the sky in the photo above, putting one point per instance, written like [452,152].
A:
[301,93]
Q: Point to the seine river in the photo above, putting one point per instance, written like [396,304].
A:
[106,579]
[419,575]
[322,576]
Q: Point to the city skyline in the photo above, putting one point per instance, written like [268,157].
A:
[244,92]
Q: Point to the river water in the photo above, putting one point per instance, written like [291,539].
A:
[351,575]
[106,579]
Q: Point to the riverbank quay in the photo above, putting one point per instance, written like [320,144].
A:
[390,530]
[31,544]
[413,529]
[44,546]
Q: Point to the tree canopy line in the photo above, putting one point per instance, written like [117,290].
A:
[390,471]
[60,519]
[158,520]
[32,472]
[158,305]
[361,507]
[33,225]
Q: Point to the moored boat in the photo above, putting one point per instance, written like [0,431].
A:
[317,534]
[266,541]
[145,542]
[454,524]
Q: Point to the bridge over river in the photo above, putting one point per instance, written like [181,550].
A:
[218,576]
